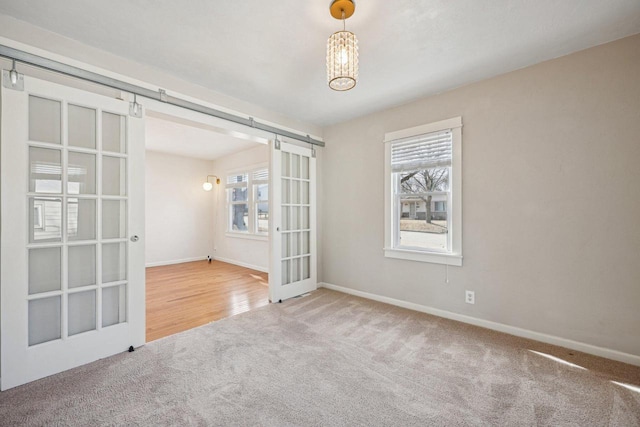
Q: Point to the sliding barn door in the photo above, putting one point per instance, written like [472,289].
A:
[292,269]
[72,203]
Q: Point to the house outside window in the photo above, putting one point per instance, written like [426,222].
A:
[423,211]
[248,202]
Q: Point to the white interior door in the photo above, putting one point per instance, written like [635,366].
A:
[72,197]
[293,263]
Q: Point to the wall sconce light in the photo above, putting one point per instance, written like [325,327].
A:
[207,186]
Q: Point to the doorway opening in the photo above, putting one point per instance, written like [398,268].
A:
[207,223]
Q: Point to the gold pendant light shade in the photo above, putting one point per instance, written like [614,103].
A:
[342,50]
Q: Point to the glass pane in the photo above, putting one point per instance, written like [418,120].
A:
[305,192]
[286,191]
[45,272]
[239,194]
[285,164]
[295,244]
[44,120]
[237,178]
[45,170]
[82,312]
[82,266]
[45,222]
[114,133]
[44,320]
[295,215]
[262,192]
[239,217]
[81,173]
[286,247]
[81,219]
[305,242]
[82,126]
[285,272]
[114,176]
[114,302]
[295,270]
[424,180]
[262,211]
[285,218]
[423,223]
[306,267]
[114,262]
[305,167]
[295,192]
[305,218]
[295,166]
[114,219]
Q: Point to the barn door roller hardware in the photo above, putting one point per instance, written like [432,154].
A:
[159,95]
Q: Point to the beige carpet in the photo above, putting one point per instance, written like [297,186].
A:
[332,359]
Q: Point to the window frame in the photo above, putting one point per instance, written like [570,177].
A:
[392,213]
[255,183]
[251,187]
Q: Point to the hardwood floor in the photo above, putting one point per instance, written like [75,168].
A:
[183,296]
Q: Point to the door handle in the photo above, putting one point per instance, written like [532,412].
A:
[135,238]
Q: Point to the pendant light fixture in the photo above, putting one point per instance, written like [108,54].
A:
[342,49]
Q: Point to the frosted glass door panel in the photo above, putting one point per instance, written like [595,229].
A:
[306,267]
[295,166]
[114,301]
[45,170]
[81,173]
[45,274]
[82,266]
[305,218]
[44,320]
[285,272]
[73,182]
[45,118]
[82,312]
[81,219]
[286,168]
[82,126]
[114,219]
[114,262]
[114,133]
[45,219]
[114,179]
[295,219]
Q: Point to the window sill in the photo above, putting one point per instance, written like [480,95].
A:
[432,257]
[262,237]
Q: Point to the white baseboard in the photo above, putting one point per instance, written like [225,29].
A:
[241,264]
[500,327]
[176,261]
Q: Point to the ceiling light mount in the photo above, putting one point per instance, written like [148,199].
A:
[342,49]
[340,7]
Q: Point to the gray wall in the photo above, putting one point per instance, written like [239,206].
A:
[555,148]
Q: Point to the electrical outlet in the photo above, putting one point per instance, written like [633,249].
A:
[470,297]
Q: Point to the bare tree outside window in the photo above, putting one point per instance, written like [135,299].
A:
[421,183]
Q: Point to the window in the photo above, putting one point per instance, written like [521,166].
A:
[248,202]
[261,200]
[423,212]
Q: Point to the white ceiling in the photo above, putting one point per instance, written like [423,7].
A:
[273,53]
[190,139]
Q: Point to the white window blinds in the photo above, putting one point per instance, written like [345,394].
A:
[424,151]
[237,178]
[261,175]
